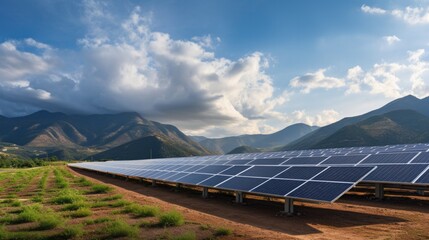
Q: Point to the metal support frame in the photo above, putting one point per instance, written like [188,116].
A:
[379,191]
[289,206]
[239,197]
[421,192]
[205,192]
[153,183]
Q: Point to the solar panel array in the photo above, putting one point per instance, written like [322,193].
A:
[317,175]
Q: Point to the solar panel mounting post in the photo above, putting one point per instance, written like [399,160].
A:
[205,192]
[153,183]
[239,197]
[379,191]
[288,206]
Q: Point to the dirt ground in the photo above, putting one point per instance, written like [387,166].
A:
[354,216]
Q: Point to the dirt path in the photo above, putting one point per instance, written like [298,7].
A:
[353,217]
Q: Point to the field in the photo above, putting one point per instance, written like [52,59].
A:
[55,203]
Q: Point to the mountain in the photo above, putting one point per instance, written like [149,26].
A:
[396,127]
[244,149]
[198,138]
[277,139]
[146,148]
[312,139]
[101,131]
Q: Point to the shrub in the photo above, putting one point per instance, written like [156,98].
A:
[37,199]
[68,196]
[222,232]
[172,218]
[16,203]
[81,212]
[119,228]
[100,188]
[84,182]
[71,232]
[97,220]
[141,210]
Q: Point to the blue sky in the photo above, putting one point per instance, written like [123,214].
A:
[213,68]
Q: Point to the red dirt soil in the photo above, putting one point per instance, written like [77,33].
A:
[352,217]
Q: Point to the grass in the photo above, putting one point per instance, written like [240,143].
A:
[100,188]
[72,231]
[81,212]
[49,221]
[29,214]
[83,182]
[172,218]
[120,228]
[141,210]
[222,232]
[68,196]
[113,197]
[75,206]
[119,203]
[97,220]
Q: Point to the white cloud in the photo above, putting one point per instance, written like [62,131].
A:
[410,15]
[125,66]
[391,39]
[322,118]
[354,76]
[315,80]
[372,10]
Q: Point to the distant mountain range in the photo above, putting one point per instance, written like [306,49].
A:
[130,136]
[266,141]
[345,131]
[81,135]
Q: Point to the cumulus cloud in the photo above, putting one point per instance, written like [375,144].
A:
[123,65]
[315,80]
[372,10]
[322,118]
[391,39]
[410,15]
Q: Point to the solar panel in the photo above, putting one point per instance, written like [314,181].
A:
[214,180]
[241,183]
[263,171]
[268,161]
[320,191]
[193,178]
[334,160]
[277,187]
[424,178]
[214,169]
[304,161]
[235,170]
[301,172]
[389,158]
[395,173]
[422,158]
[343,174]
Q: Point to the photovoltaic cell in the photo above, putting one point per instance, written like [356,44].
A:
[278,187]
[214,169]
[343,174]
[242,183]
[320,191]
[193,178]
[213,181]
[301,172]
[353,159]
[268,161]
[239,162]
[263,171]
[304,161]
[395,173]
[389,158]
[235,170]
[424,179]
[422,158]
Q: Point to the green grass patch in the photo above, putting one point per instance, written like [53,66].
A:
[81,212]
[100,188]
[222,232]
[75,206]
[119,203]
[16,203]
[97,220]
[113,197]
[37,199]
[172,218]
[49,221]
[120,228]
[68,196]
[73,231]
[29,213]
[83,182]
[141,210]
